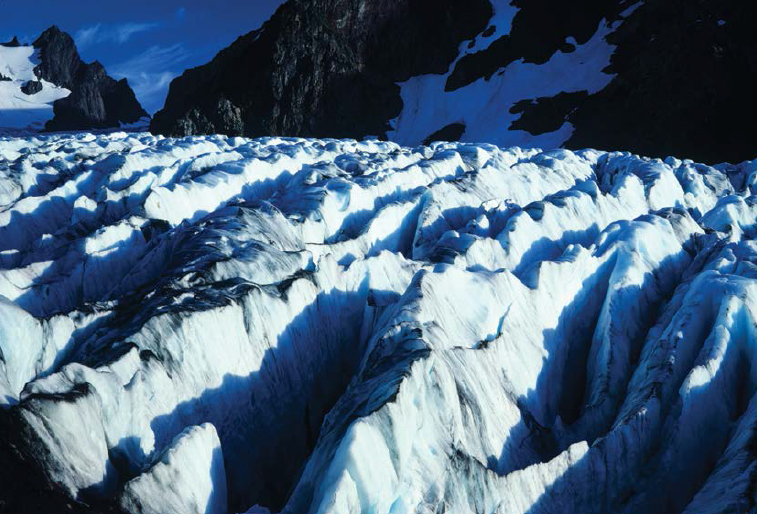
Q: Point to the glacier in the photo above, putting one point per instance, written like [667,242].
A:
[217,324]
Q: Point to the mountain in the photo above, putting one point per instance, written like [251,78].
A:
[48,86]
[325,68]
[212,324]
[657,77]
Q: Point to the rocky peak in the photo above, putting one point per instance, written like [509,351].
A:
[60,61]
[13,43]
[321,68]
[96,100]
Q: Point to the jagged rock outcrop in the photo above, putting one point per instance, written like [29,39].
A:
[59,59]
[13,43]
[96,100]
[533,73]
[32,87]
[47,86]
[317,68]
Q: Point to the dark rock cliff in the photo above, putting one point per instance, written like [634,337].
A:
[321,68]
[683,72]
[96,100]
[684,80]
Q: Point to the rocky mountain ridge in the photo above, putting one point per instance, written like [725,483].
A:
[87,97]
[658,77]
[327,67]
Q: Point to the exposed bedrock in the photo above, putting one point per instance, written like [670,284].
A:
[658,77]
[96,101]
[321,68]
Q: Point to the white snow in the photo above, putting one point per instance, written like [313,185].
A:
[365,327]
[187,479]
[17,109]
[484,105]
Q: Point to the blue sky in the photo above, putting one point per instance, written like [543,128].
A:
[147,41]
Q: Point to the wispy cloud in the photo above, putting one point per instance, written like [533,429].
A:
[151,72]
[181,12]
[155,57]
[119,33]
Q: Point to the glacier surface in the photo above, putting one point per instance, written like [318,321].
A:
[215,324]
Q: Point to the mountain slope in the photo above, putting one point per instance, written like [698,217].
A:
[656,77]
[328,326]
[48,86]
[326,67]
[17,108]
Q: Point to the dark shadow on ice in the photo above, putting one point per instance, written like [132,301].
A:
[546,249]
[216,469]
[269,420]
[675,463]
[556,413]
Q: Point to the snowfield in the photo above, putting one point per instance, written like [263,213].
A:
[19,110]
[485,107]
[211,325]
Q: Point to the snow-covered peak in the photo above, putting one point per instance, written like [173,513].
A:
[26,101]
[18,62]
[47,86]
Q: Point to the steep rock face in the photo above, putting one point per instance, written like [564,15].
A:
[59,59]
[47,86]
[688,66]
[96,100]
[333,326]
[540,28]
[539,73]
[326,67]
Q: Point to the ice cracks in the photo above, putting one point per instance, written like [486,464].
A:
[216,324]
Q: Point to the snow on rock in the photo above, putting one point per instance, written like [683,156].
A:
[331,326]
[485,107]
[188,478]
[20,107]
